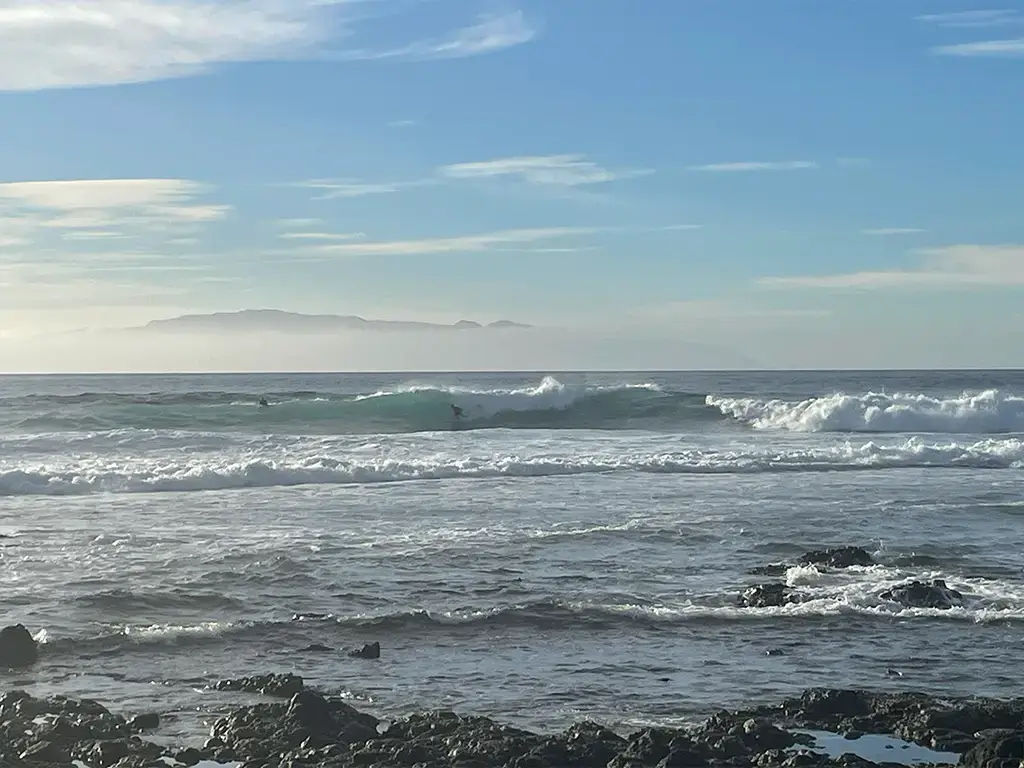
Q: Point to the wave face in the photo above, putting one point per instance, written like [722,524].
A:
[987,412]
[411,408]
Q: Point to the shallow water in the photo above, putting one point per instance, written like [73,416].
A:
[518,565]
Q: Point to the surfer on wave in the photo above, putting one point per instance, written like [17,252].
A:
[264,403]
[456,412]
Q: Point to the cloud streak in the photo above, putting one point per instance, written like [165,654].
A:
[561,170]
[108,204]
[487,35]
[338,188]
[948,267]
[1008,49]
[888,231]
[974,19]
[438,245]
[748,166]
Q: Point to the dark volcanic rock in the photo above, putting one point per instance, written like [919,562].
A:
[996,752]
[17,647]
[924,594]
[838,557]
[316,648]
[368,651]
[766,596]
[144,722]
[285,685]
[308,719]
[313,730]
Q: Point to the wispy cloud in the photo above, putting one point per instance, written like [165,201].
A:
[884,231]
[488,34]
[459,244]
[974,19]
[563,170]
[48,44]
[335,188]
[739,167]
[61,44]
[997,48]
[109,205]
[403,123]
[322,235]
[947,267]
[679,227]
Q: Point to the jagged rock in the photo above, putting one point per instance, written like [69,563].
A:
[996,752]
[838,557]
[285,685]
[308,718]
[924,594]
[46,752]
[17,647]
[766,596]
[368,651]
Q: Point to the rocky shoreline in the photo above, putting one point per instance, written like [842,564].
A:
[308,728]
[300,726]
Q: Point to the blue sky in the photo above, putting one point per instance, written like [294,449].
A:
[687,166]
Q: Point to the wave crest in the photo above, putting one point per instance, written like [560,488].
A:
[987,412]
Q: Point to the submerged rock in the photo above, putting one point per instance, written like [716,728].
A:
[368,651]
[17,647]
[924,594]
[766,596]
[838,557]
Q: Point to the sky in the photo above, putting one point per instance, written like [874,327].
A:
[659,184]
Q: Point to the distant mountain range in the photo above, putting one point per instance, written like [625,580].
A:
[275,320]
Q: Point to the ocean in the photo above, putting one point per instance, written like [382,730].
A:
[573,546]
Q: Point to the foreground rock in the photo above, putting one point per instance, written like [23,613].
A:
[17,647]
[311,729]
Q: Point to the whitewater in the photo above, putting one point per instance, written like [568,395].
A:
[574,546]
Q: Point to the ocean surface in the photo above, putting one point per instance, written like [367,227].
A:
[572,547]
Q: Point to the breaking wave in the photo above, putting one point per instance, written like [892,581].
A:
[987,412]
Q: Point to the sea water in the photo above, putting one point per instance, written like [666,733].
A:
[572,547]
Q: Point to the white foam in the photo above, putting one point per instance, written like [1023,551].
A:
[378,463]
[988,412]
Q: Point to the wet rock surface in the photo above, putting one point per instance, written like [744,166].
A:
[767,596]
[838,557]
[17,647]
[314,729]
[924,594]
[271,685]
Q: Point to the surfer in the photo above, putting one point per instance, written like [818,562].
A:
[263,402]
[456,412]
